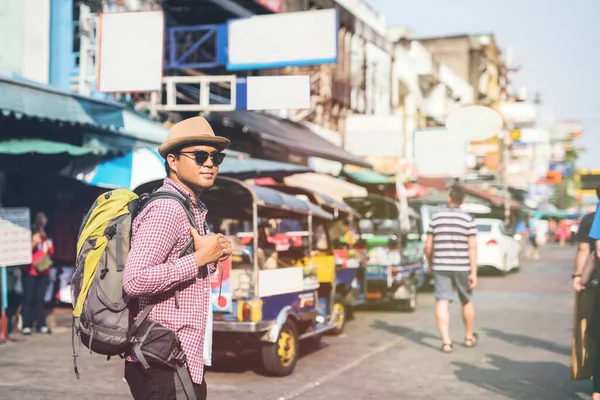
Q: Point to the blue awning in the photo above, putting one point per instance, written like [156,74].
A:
[24,99]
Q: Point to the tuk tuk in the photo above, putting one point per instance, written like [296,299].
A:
[269,309]
[341,272]
[395,253]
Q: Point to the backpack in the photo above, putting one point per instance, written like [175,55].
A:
[102,319]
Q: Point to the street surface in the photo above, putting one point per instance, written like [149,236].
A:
[524,321]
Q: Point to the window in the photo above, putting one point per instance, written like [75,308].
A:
[484,228]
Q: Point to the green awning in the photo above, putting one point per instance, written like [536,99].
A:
[368,177]
[39,146]
[25,99]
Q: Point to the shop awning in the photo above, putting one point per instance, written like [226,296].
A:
[326,184]
[295,137]
[143,166]
[368,177]
[40,146]
[24,99]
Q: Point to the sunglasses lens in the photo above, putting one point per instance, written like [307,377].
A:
[202,156]
[218,158]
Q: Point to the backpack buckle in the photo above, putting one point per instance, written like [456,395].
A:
[110,232]
[180,357]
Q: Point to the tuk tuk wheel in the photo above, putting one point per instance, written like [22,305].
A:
[410,304]
[279,358]
[339,310]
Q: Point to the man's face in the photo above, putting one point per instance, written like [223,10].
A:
[197,176]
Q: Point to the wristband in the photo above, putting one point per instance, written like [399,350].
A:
[576,276]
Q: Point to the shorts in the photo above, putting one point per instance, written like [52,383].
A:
[447,281]
[533,242]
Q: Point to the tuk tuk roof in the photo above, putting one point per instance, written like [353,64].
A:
[375,206]
[325,201]
[231,198]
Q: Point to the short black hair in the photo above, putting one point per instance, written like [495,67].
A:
[175,151]
[457,194]
[598,191]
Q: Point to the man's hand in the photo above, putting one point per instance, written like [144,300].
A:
[578,284]
[472,280]
[210,248]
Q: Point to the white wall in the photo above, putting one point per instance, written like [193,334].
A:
[366,14]
[25,38]
[378,81]
[462,91]
[422,58]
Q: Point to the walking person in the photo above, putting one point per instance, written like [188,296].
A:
[36,278]
[154,270]
[451,250]
[533,250]
[584,271]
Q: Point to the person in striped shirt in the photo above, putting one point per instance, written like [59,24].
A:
[451,250]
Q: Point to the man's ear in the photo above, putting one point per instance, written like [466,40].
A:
[171,159]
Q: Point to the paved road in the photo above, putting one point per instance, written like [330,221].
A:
[524,320]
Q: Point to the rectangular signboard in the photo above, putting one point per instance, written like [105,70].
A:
[278,92]
[130,56]
[279,40]
[439,153]
[15,237]
[374,135]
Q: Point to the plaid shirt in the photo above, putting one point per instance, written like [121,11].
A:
[154,270]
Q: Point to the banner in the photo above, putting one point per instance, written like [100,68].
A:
[222,303]
[15,237]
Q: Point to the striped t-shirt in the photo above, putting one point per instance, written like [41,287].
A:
[451,229]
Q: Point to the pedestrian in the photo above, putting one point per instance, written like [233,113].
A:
[586,270]
[533,250]
[586,248]
[154,270]
[36,277]
[451,250]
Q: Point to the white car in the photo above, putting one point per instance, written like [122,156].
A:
[496,247]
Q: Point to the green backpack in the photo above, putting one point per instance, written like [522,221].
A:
[101,314]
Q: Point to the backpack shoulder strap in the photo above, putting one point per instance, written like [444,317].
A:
[148,198]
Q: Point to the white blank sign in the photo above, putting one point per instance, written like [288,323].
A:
[270,41]
[130,52]
[440,153]
[278,92]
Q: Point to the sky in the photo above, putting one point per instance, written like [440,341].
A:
[557,42]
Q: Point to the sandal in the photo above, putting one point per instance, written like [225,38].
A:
[447,348]
[471,342]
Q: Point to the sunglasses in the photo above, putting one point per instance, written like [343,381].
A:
[201,156]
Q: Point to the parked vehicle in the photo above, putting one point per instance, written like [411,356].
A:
[266,308]
[497,247]
[395,251]
[340,272]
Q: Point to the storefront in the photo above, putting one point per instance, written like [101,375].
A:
[42,131]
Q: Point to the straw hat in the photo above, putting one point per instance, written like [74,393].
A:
[192,130]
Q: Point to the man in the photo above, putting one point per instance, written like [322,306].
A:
[587,246]
[451,250]
[154,270]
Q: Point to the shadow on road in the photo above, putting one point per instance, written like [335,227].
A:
[528,341]
[415,336]
[522,380]
[250,360]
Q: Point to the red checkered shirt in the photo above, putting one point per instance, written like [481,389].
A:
[154,270]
